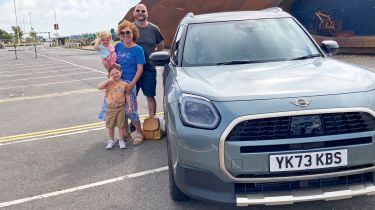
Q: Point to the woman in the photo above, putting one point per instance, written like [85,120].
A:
[131,58]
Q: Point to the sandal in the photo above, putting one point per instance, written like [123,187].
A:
[128,138]
[138,139]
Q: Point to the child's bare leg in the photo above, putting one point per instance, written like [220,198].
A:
[110,142]
[121,133]
[121,141]
[105,64]
[111,133]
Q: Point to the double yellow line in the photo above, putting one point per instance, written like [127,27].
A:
[60,131]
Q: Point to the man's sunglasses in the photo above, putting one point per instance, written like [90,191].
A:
[138,10]
[125,33]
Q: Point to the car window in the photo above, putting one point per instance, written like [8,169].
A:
[176,44]
[259,40]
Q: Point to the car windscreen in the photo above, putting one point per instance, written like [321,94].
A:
[246,41]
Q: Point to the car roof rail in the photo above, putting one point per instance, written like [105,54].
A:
[190,15]
[273,9]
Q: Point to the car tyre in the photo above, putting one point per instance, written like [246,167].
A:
[175,193]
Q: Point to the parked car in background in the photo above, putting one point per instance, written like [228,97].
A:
[258,113]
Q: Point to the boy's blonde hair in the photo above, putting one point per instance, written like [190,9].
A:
[104,34]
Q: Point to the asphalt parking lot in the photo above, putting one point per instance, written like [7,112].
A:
[52,146]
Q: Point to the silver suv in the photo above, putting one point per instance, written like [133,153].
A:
[257,113]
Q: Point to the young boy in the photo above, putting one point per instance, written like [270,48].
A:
[116,97]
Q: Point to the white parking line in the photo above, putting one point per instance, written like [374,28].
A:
[52,83]
[83,187]
[40,63]
[40,72]
[43,67]
[49,71]
[69,93]
[26,70]
[61,75]
[73,64]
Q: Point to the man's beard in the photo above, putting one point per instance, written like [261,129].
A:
[141,18]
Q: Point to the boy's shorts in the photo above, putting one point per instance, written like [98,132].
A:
[147,82]
[115,117]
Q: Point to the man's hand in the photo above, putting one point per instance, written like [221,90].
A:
[129,110]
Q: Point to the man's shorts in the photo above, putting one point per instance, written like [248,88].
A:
[115,117]
[147,82]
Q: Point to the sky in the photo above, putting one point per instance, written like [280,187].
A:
[73,16]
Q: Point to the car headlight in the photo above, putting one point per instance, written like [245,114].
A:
[198,112]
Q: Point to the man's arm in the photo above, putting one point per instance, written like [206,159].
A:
[160,46]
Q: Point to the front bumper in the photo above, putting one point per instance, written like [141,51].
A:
[204,169]
[290,197]
[204,185]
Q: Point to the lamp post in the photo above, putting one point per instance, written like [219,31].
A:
[56,27]
[17,29]
[31,26]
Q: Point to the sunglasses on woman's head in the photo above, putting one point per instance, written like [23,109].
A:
[125,33]
[138,10]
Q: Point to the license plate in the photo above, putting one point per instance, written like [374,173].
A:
[308,160]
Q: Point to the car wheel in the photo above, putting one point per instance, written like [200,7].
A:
[175,193]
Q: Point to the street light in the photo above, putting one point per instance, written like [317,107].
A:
[31,26]
[17,28]
[56,27]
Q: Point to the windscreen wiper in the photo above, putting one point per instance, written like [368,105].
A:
[236,62]
[306,57]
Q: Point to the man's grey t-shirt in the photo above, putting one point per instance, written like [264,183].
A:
[149,37]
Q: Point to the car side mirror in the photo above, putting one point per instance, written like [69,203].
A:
[330,47]
[159,58]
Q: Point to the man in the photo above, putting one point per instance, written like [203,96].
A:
[150,40]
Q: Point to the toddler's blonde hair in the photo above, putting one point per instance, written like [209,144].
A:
[104,34]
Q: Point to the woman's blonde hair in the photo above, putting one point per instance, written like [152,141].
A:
[132,27]
[104,34]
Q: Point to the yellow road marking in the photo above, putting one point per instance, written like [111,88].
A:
[51,131]
[91,90]
[62,130]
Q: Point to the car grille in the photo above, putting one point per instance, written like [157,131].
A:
[280,127]
[247,188]
[306,146]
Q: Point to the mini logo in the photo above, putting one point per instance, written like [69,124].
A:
[302,102]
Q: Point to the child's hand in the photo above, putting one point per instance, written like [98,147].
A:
[129,110]
[111,78]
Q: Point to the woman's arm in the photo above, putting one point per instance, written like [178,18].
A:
[137,75]
[136,78]
[127,98]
